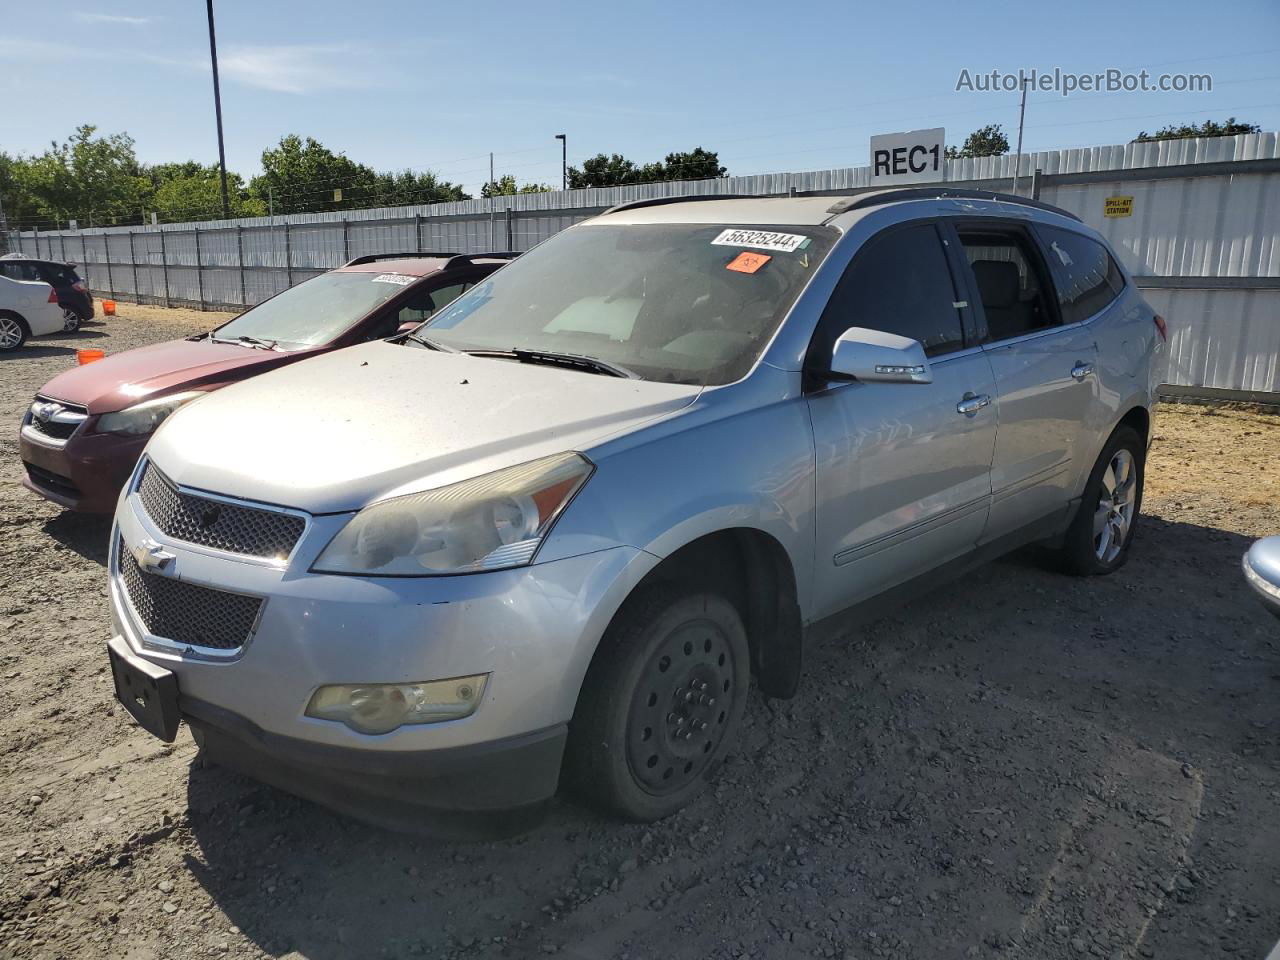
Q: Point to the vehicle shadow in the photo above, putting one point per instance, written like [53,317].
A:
[32,352]
[1170,656]
[87,534]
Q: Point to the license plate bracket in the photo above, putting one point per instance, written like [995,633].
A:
[148,692]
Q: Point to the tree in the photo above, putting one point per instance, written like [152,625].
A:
[86,178]
[302,176]
[617,170]
[505,186]
[698,164]
[1210,128]
[199,196]
[988,141]
[602,171]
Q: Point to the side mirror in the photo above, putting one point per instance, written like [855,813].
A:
[876,356]
[408,326]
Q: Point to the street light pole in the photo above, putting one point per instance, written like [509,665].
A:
[564,161]
[1022,116]
[217,109]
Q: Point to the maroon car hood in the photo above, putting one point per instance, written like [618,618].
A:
[123,379]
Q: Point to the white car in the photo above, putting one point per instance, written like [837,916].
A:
[28,308]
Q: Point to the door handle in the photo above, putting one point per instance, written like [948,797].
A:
[972,403]
[1081,370]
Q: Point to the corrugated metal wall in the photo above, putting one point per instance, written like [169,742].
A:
[1205,247]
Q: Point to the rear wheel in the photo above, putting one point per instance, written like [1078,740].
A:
[661,703]
[70,320]
[13,331]
[1099,537]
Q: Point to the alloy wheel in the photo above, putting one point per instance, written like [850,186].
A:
[681,708]
[1113,518]
[70,320]
[10,333]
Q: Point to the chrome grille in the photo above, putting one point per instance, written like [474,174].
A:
[184,613]
[55,420]
[215,523]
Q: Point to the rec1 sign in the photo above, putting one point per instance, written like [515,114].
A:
[914,157]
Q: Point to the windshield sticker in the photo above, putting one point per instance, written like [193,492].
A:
[397,278]
[748,262]
[761,239]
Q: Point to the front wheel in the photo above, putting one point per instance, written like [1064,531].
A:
[661,703]
[1098,540]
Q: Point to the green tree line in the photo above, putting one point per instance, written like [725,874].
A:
[98,180]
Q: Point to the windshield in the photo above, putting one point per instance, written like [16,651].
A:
[316,310]
[678,302]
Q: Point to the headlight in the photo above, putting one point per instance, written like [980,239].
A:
[487,523]
[382,707]
[146,416]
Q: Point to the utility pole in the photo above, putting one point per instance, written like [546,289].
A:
[1022,115]
[491,173]
[217,109]
[564,161]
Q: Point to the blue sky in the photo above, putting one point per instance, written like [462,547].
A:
[772,86]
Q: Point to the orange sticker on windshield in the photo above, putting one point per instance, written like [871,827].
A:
[748,262]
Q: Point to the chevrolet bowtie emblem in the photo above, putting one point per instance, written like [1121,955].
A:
[151,557]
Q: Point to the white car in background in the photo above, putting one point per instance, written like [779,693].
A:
[28,308]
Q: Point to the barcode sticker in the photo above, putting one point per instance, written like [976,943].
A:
[760,239]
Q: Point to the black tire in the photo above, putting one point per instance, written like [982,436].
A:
[71,320]
[6,344]
[1079,553]
[661,703]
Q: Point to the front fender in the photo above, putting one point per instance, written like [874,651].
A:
[726,463]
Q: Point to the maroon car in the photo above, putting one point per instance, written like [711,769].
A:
[86,429]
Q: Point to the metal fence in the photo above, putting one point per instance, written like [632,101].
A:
[1203,239]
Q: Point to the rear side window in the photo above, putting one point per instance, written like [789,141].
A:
[1086,276]
[19,270]
[899,283]
[1008,282]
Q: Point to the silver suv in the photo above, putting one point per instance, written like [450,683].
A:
[556,531]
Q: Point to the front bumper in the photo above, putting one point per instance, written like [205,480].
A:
[533,630]
[85,474]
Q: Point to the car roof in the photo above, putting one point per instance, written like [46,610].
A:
[795,211]
[10,258]
[813,210]
[423,266]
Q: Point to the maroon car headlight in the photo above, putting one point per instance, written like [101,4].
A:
[144,417]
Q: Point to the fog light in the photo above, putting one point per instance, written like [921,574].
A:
[382,707]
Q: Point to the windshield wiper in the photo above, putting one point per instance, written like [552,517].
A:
[431,344]
[579,361]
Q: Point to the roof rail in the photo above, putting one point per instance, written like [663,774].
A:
[662,201]
[880,197]
[458,259]
[410,255]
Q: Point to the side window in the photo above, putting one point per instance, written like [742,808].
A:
[899,283]
[21,271]
[1086,276]
[423,305]
[1014,295]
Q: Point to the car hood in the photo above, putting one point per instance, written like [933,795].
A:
[123,379]
[339,431]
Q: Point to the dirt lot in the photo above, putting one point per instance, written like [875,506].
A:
[1022,766]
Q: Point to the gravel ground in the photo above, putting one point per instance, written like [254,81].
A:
[1024,766]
